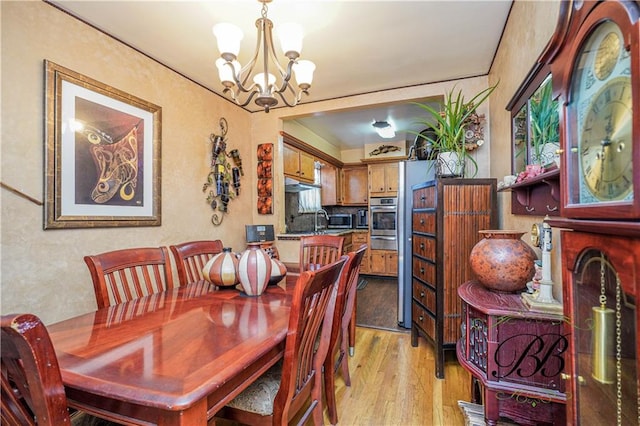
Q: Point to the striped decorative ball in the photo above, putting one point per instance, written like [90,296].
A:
[254,270]
[222,269]
[278,271]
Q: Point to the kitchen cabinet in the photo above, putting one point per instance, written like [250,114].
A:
[355,189]
[347,245]
[383,262]
[446,217]
[358,239]
[383,180]
[298,164]
[331,191]
[516,356]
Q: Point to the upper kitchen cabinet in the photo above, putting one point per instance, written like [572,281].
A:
[383,180]
[535,145]
[355,188]
[331,191]
[298,164]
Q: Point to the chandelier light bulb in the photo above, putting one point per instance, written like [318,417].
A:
[303,72]
[229,37]
[226,72]
[290,36]
[259,80]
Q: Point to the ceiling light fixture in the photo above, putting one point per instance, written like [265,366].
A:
[264,84]
[384,129]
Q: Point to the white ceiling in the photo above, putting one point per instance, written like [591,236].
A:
[358,46]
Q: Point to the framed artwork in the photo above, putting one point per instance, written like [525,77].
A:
[102,156]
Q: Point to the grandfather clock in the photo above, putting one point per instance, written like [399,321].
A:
[596,77]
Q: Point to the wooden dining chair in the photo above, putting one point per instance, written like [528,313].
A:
[190,258]
[319,250]
[339,342]
[32,389]
[127,274]
[292,389]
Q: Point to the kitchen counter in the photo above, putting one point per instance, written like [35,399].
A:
[292,236]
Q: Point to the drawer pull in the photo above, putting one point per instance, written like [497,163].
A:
[421,221]
[421,246]
[422,198]
[420,318]
[422,294]
[422,270]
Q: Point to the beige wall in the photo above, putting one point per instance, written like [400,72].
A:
[43,271]
[530,26]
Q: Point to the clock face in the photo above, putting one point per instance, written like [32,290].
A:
[605,142]
[601,149]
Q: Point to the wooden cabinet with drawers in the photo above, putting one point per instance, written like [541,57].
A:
[446,217]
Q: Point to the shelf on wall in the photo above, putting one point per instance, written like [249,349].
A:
[538,195]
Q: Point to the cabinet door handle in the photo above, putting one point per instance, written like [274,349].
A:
[422,198]
[421,221]
[422,294]
[421,246]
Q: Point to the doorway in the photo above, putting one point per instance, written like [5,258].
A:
[377,303]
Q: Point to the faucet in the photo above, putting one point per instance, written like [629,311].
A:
[315,222]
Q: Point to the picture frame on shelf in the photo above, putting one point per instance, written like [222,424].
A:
[102,154]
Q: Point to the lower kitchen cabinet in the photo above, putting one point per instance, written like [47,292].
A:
[359,238]
[383,262]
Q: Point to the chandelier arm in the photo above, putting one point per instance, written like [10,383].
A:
[269,47]
[235,98]
[296,98]
[286,77]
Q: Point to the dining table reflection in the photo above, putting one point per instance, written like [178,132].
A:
[174,357]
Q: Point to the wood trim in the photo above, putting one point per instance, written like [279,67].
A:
[310,149]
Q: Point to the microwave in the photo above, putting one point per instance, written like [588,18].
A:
[340,221]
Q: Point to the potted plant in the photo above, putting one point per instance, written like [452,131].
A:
[545,124]
[449,126]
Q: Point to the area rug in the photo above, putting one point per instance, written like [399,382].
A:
[377,303]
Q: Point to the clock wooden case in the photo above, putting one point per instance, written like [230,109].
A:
[595,66]
[596,73]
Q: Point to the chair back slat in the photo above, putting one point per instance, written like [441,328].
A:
[190,258]
[122,275]
[31,383]
[319,250]
[306,346]
[343,315]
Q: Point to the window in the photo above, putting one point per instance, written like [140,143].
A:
[309,201]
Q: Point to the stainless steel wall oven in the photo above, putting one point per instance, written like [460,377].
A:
[383,214]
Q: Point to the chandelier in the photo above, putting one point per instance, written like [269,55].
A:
[263,87]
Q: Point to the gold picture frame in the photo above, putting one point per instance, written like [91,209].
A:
[102,156]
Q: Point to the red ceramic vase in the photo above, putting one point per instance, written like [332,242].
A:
[502,262]
[222,269]
[254,270]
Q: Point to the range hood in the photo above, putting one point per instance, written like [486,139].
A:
[292,185]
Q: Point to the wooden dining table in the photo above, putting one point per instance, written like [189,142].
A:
[172,358]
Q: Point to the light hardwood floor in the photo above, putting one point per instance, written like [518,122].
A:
[393,383]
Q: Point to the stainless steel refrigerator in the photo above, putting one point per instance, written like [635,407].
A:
[409,173]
